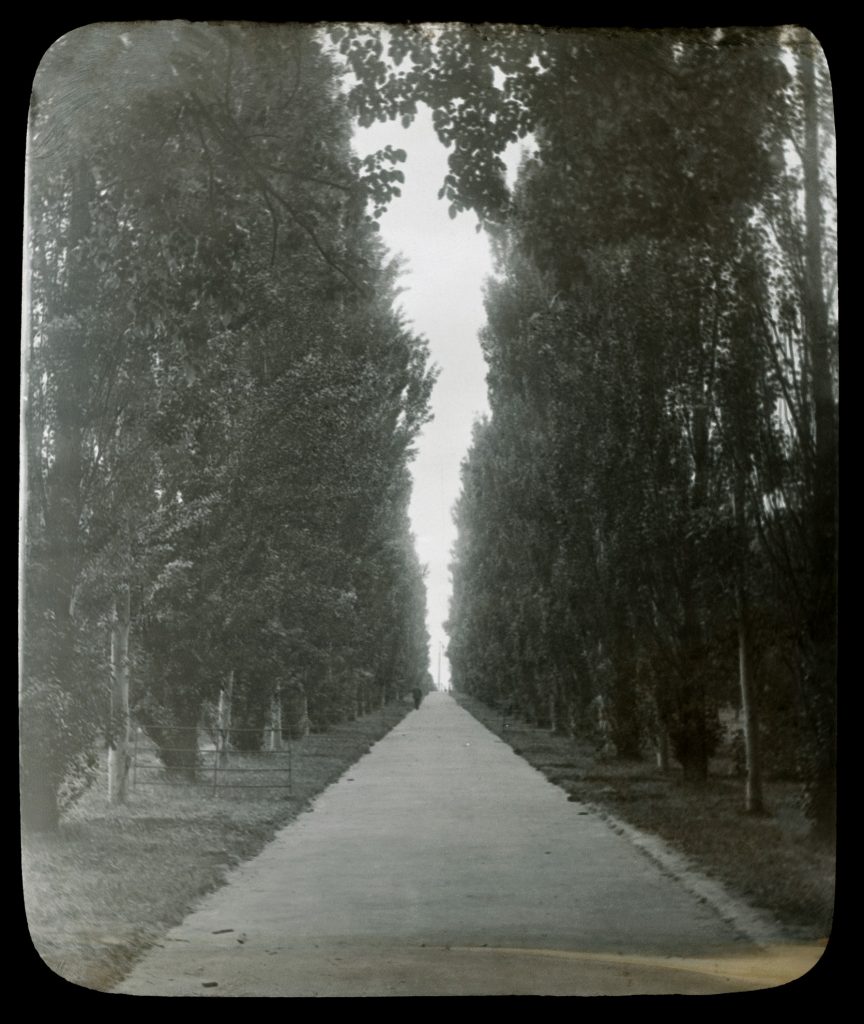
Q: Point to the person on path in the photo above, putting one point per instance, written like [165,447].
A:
[417,694]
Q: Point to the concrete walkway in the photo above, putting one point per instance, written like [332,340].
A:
[443,864]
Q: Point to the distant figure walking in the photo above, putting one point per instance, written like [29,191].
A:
[417,694]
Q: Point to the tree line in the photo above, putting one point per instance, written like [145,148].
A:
[221,402]
[648,518]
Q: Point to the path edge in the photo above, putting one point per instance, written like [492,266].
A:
[757,926]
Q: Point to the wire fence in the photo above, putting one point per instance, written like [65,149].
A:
[215,763]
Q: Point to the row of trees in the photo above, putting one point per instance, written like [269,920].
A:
[648,518]
[220,405]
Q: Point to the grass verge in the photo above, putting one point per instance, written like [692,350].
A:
[113,879]
[768,861]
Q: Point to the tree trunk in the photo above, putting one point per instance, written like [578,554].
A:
[118,737]
[177,743]
[552,712]
[820,675]
[223,721]
[274,738]
[663,749]
[622,703]
[754,802]
[295,711]
[690,739]
[558,710]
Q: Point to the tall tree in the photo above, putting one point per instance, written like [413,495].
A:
[215,363]
[659,157]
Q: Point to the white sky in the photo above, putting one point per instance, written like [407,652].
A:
[447,262]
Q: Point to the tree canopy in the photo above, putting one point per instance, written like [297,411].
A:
[222,399]
[648,519]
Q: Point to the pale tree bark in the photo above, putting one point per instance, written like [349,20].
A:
[223,720]
[754,800]
[274,732]
[119,737]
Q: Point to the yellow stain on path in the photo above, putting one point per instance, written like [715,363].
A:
[766,968]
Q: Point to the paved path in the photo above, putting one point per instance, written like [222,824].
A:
[444,864]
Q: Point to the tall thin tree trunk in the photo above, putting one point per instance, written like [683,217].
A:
[820,673]
[663,749]
[359,707]
[118,739]
[754,800]
[223,720]
[553,711]
[692,739]
[274,741]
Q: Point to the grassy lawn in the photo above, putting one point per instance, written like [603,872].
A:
[768,861]
[114,879]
